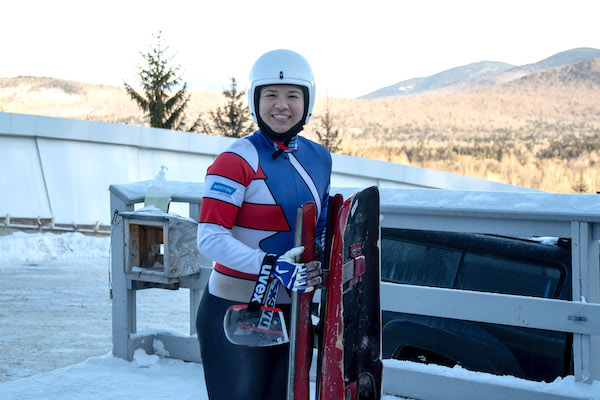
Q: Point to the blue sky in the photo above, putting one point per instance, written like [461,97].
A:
[355,47]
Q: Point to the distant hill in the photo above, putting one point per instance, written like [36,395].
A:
[570,94]
[439,80]
[565,58]
[536,125]
[481,74]
[71,99]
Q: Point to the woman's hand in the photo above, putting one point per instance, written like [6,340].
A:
[313,273]
[295,276]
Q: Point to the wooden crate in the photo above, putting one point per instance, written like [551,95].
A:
[160,247]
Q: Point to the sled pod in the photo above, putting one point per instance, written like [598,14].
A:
[350,359]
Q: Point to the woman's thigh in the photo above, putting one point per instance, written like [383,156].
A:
[232,371]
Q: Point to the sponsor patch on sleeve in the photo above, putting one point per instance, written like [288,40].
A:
[222,188]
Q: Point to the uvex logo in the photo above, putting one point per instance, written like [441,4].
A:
[266,317]
[261,286]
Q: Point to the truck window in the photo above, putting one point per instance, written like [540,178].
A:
[490,273]
[417,264]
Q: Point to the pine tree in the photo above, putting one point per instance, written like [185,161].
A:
[329,135]
[233,119]
[157,79]
[580,185]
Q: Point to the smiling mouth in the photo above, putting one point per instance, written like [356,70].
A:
[283,117]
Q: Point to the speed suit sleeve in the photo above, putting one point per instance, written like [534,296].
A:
[224,191]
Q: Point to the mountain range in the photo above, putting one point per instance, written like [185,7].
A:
[536,125]
[480,74]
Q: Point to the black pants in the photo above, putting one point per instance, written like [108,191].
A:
[235,372]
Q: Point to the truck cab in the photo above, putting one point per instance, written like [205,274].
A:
[477,262]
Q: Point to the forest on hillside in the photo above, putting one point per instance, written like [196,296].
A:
[540,131]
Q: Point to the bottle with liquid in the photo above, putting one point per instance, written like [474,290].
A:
[158,193]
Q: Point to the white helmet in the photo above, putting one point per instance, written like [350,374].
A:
[281,67]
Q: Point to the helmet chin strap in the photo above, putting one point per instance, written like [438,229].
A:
[271,134]
[282,137]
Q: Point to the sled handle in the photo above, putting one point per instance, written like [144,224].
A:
[294,315]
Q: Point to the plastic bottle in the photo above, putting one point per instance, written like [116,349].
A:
[158,193]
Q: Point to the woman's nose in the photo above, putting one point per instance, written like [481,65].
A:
[281,103]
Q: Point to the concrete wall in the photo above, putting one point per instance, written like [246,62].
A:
[61,168]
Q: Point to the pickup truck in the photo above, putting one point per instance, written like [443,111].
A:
[478,262]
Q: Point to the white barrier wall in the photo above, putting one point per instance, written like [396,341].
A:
[61,168]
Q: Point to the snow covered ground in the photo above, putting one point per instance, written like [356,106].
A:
[55,329]
[55,326]
[55,308]
[55,311]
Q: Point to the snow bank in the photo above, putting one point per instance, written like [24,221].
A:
[560,386]
[21,247]
[107,377]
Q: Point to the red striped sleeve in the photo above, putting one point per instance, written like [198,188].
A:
[218,212]
[264,217]
[232,166]
[235,273]
[260,174]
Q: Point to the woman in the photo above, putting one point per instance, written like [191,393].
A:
[251,195]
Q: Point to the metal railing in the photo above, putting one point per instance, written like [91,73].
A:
[509,214]
[48,225]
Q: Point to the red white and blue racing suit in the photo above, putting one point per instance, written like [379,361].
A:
[249,210]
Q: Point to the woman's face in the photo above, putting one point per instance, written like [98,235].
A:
[281,106]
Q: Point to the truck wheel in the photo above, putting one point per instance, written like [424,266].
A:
[415,354]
